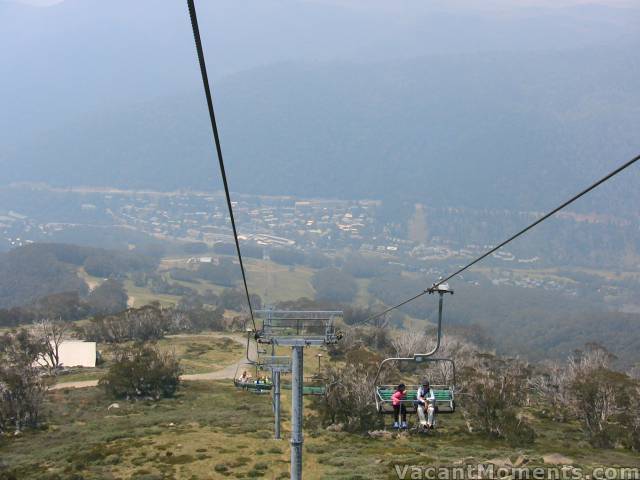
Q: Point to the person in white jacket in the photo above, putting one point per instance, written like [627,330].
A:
[426,401]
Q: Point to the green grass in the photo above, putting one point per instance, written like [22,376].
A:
[203,353]
[139,296]
[273,282]
[212,430]
[207,424]
[80,375]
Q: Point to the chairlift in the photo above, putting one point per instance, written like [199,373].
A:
[312,386]
[444,393]
[255,384]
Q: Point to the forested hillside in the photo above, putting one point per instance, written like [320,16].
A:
[533,323]
[536,323]
[29,273]
[35,271]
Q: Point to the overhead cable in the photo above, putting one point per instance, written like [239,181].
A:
[435,286]
[216,136]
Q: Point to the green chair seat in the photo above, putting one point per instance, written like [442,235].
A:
[308,389]
[444,399]
[254,387]
[311,390]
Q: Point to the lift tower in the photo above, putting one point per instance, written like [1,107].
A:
[297,329]
[276,365]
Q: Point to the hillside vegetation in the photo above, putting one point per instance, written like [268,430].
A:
[209,429]
[52,280]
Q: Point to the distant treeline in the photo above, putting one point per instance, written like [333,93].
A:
[35,272]
[107,298]
[534,323]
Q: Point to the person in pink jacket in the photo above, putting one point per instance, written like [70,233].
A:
[399,409]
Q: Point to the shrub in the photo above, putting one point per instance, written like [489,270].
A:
[587,388]
[142,371]
[349,397]
[109,297]
[494,388]
[21,387]
[597,396]
[515,430]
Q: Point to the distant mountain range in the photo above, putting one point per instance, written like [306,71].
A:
[340,101]
[519,131]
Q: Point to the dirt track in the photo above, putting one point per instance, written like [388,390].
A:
[223,373]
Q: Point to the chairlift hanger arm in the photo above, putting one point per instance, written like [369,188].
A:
[420,356]
[252,362]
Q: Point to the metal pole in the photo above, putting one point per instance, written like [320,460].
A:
[440,301]
[276,402]
[420,356]
[296,412]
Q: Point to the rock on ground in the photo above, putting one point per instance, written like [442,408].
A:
[557,459]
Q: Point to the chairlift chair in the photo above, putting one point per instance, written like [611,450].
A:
[444,393]
[255,384]
[312,386]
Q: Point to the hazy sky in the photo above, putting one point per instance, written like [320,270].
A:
[485,3]
[41,3]
[310,83]
[480,4]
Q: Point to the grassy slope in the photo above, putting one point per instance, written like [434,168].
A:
[92,282]
[273,282]
[212,430]
[139,296]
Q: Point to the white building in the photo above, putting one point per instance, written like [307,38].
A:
[76,353]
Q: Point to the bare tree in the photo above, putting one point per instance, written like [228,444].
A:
[593,357]
[494,394]
[51,334]
[179,321]
[587,388]
[408,342]
[553,383]
[463,352]
[350,392]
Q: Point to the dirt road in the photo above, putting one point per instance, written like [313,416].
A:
[226,372]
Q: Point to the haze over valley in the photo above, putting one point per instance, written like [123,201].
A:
[452,137]
[372,148]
